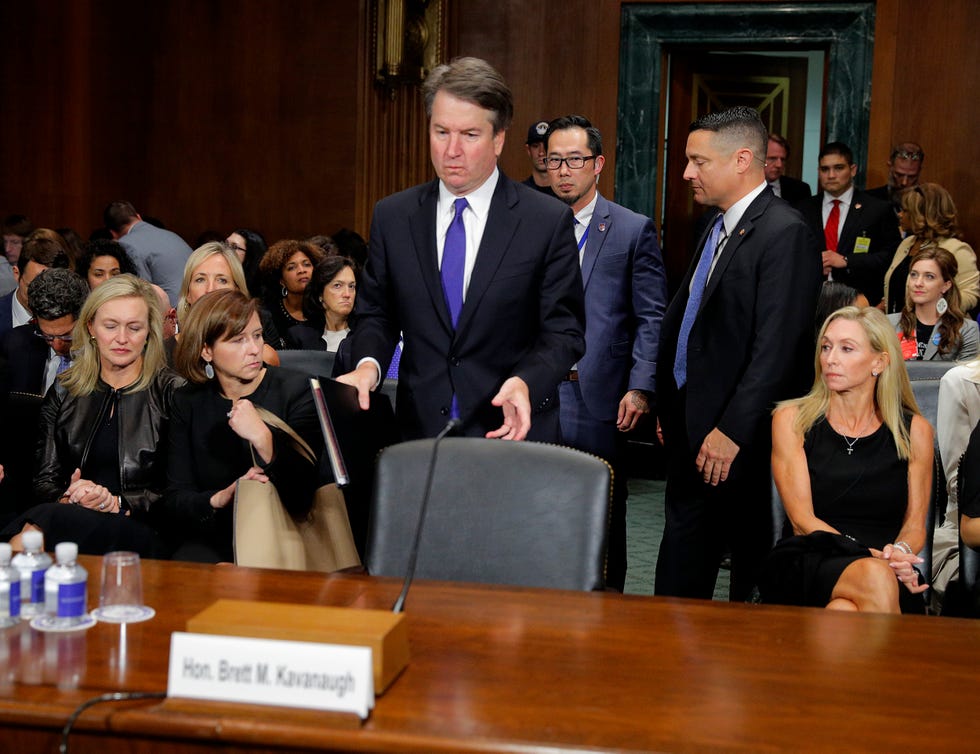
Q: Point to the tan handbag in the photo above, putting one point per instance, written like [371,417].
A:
[266,536]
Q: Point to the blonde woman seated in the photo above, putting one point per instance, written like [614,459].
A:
[100,466]
[852,461]
[215,267]
[932,326]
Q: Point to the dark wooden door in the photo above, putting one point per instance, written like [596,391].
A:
[702,82]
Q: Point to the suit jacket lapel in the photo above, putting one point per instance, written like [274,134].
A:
[422,224]
[853,224]
[597,236]
[742,231]
[501,224]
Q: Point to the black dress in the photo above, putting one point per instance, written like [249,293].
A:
[205,456]
[863,494]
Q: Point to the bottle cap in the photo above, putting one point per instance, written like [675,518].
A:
[32,539]
[66,552]
[4,554]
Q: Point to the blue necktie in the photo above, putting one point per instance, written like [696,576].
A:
[584,238]
[454,262]
[395,361]
[63,364]
[694,300]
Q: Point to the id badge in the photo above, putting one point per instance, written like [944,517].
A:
[862,244]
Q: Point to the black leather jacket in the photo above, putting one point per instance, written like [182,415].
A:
[66,430]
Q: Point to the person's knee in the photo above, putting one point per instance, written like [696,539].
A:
[873,583]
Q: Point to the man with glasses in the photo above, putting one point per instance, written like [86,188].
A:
[32,355]
[611,388]
[477,272]
[904,167]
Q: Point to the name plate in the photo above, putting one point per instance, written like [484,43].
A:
[268,671]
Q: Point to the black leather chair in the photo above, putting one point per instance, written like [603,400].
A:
[518,513]
[312,363]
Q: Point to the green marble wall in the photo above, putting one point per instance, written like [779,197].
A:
[845,31]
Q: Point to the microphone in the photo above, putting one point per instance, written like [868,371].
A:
[451,426]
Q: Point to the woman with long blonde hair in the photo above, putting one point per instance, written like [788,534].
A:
[852,461]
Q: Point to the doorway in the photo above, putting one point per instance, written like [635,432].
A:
[704,81]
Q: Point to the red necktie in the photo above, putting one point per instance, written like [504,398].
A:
[830,229]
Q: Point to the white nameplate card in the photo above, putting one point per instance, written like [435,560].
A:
[268,671]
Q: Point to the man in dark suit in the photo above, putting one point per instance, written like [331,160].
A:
[859,231]
[37,254]
[612,386]
[736,338]
[32,355]
[478,273]
[904,168]
[786,188]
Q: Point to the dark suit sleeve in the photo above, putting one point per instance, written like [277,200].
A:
[561,314]
[186,505]
[649,303]
[885,238]
[969,499]
[785,291]
[377,329]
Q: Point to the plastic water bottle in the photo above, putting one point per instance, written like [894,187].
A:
[32,563]
[9,589]
[65,588]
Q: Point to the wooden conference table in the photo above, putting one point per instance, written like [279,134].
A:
[520,670]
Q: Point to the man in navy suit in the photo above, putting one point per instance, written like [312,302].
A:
[37,254]
[612,386]
[736,338]
[480,275]
[858,231]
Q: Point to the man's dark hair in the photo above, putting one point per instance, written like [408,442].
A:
[17,225]
[472,80]
[56,293]
[577,121]
[118,214]
[837,147]
[740,126]
[46,248]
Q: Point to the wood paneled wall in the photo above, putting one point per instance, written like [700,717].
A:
[212,114]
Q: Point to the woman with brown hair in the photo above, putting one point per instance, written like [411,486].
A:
[928,216]
[287,268]
[217,437]
[931,325]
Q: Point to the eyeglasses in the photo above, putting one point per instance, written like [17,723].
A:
[903,155]
[576,162]
[52,338]
[237,248]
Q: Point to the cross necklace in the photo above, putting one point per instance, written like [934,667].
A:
[851,443]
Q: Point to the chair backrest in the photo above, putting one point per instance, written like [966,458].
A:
[925,377]
[518,513]
[312,363]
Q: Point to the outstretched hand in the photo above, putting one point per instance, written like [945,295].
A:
[515,399]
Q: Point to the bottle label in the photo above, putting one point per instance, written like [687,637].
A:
[37,587]
[71,600]
[10,600]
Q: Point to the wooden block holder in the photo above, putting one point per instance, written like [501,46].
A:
[386,633]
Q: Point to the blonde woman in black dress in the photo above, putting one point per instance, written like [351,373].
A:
[852,461]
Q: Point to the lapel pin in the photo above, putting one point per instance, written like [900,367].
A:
[741,231]
[857,206]
[602,227]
